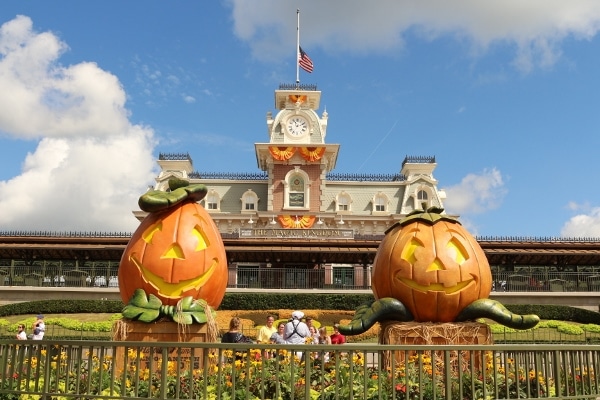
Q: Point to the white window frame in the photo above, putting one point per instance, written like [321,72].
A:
[289,189]
[418,197]
[380,200]
[212,197]
[343,203]
[249,202]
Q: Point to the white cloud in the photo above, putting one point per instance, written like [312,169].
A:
[584,224]
[189,99]
[162,81]
[535,27]
[476,193]
[91,164]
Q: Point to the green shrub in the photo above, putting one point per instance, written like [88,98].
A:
[557,312]
[591,328]
[265,301]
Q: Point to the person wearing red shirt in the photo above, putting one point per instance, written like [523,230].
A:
[336,336]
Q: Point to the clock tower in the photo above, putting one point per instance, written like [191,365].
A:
[296,157]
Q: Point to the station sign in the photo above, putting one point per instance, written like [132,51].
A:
[267,233]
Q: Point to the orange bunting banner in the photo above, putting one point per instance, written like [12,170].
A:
[296,221]
[282,153]
[312,153]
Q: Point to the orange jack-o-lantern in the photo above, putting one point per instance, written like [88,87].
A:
[173,254]
[432,265]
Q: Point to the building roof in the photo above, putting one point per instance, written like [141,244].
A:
[360,250]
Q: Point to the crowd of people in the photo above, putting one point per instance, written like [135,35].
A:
[297,330]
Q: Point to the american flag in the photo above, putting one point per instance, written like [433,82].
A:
[304,61]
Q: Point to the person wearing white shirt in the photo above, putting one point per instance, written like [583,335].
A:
[40,325]
[21,334]
[296,331]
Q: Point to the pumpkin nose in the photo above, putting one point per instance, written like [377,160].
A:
[174,251]
[436,265]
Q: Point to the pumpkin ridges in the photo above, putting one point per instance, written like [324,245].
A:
[452,304]
[194,264]
[414,296]
[378,264]
[446,254]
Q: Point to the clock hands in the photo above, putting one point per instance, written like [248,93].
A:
[297,126]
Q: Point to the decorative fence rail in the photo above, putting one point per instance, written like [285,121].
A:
[347,278]
[109,370]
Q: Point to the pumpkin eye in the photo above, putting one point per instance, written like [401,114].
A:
[203,242]
[149,233]
[457,251]
[410,249]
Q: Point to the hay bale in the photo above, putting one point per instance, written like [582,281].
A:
[163,331]
[435,334]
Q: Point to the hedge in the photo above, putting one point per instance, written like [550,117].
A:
[266,301]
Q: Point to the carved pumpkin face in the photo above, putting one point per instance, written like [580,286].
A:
[435,270]
[174,254]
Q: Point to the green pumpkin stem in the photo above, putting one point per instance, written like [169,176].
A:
[429,216]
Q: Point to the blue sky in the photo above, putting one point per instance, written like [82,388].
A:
[504,94]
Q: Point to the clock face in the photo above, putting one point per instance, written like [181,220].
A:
[297,125]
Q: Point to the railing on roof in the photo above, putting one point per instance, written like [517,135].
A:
[64,234]
[545,239]
[175,157]
[234,176]
[419,160]
[235,235]
[337,177]
[298,86]
[119,370]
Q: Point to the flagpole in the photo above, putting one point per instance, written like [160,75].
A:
[297,47]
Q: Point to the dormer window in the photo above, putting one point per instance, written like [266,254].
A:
[249,201]
[212,201]
[380,204]
[422,198]
[343,202]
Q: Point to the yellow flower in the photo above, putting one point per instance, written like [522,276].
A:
[357,359]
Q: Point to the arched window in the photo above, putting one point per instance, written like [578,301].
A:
[343,202]
[249,201]
[423,198]
[297,189]
[380,203]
